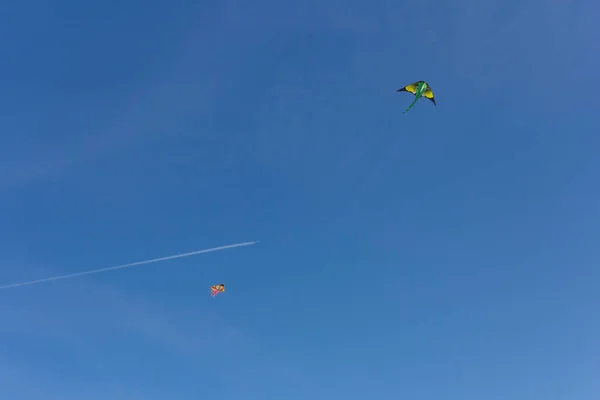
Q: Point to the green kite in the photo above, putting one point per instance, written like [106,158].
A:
[419,89]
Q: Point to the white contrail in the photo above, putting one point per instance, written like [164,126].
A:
[133,264]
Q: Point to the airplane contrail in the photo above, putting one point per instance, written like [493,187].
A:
[133,264]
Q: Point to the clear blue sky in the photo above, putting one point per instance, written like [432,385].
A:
[449,253]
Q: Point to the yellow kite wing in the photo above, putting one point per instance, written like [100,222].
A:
[412,88]
[429,94]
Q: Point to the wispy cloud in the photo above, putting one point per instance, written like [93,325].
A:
[84,313]
[160,106]
[92,328]
[19,380]
[147,113]
[128,265]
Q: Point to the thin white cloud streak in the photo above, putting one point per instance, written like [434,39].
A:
[133,264]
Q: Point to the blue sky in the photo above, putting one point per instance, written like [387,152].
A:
[449,253]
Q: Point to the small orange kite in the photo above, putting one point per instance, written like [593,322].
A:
[216,289]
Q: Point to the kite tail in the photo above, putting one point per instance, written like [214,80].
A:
[412,104]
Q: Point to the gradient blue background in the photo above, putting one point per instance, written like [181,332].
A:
[449,253]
